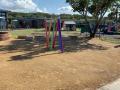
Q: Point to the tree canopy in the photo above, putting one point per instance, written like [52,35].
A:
[115,12]
[96,8]
[16,15]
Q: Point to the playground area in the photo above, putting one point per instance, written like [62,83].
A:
[84,65]
[59,45]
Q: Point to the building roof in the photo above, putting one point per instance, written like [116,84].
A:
[1,10]
[69,22]
[2,17]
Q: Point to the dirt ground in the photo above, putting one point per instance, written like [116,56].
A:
[85,67]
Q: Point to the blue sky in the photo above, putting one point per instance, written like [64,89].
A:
[51,5]
[48,6]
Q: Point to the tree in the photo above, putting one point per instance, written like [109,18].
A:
[96,8]
[115,12]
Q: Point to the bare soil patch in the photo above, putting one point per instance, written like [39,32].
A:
[85,65]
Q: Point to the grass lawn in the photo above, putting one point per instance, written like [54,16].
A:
[111,40]
[24,32]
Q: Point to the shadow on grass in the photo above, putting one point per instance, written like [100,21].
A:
[35,49]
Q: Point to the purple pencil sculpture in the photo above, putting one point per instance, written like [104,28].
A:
[60,35]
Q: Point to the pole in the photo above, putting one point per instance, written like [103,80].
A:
[52,36]
[55,36]
[60,35]
[46,34]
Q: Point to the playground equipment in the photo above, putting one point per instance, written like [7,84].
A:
[51,37]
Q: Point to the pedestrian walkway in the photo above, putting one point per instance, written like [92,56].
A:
[112,86]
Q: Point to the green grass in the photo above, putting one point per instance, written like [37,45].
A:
[27,32]
[16,33]
[111,40]
[118,32]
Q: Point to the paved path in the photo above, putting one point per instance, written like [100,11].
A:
[112,86]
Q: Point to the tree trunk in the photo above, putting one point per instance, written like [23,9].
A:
[92,34]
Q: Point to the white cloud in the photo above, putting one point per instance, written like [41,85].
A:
[66,10]
[19,5]
[45,10]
